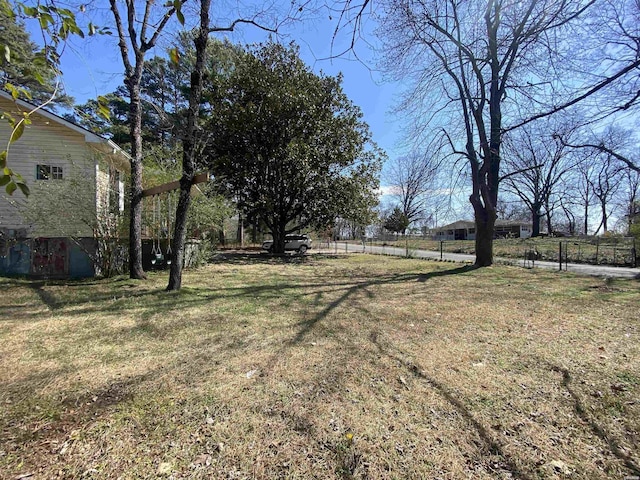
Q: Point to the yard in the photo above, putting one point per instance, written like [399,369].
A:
[322,367]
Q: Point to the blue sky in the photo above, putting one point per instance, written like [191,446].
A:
[93,66]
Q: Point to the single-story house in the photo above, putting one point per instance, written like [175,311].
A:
[76,179]
[466,230]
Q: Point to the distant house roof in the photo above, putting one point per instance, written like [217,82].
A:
[458,225]
[464,224]
[99,142]
[509,223]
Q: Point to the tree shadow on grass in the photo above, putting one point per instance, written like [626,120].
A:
[423,277]
[582,412]
[119,300]
[493,445]
[42,423]
[155,301]
[365,286]
[253,257]
[47,297]
[99,402]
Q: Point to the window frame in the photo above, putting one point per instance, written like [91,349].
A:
[45,172]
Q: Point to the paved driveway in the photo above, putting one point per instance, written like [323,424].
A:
[580,268]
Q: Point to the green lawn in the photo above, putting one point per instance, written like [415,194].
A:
[322,367]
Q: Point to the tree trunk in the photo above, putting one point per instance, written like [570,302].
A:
[179,234]
[535,220]
[254,231]
[586,218]
[485,227]
[188,161]
[604,217]
[278,238]
[135,223]
[240,234]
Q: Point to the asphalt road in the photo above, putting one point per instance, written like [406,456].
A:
[579,268]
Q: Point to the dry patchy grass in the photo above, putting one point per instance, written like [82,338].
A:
[322,367]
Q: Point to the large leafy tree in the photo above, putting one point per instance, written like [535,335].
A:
[287,144]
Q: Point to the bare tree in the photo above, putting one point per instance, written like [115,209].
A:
[571,220]
[598,67]
[536,162]
[608,149]
[608,169]
[631,196]
[473,60]
[412,179]
[603,177]
[584,191]
[492,66]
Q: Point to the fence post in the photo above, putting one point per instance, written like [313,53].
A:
[560,253]
[441,242]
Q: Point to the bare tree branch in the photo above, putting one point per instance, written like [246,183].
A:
[596,88]
[602,148]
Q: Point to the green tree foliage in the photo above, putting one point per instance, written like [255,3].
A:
[114,125]
[24,64]
[288,145]
[207,213]
[396,221]
[164,87]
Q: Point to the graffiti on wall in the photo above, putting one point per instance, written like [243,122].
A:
[50,257]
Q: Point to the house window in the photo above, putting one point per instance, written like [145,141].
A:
[48,172]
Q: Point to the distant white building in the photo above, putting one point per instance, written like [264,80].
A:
[466,230]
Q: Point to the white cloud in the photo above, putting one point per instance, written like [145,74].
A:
[388,190]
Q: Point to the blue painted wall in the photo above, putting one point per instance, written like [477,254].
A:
[80,265]
[18,259]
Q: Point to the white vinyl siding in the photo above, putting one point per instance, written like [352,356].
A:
[53,149]
[43,143]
